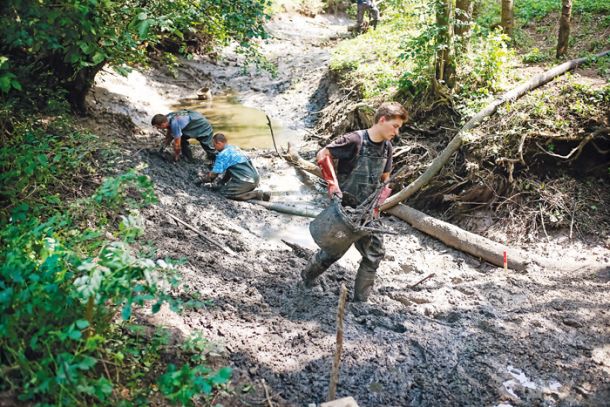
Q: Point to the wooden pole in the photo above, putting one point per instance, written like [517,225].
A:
[334,374]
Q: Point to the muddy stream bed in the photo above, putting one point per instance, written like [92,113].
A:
[472,335]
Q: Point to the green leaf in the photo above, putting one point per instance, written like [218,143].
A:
[126,312]
[98,57]
[5,83]
[86,363]
[156,307]
[143,28]
[74,334]
[222,376]
[82,324]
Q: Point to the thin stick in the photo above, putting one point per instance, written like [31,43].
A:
[422,280]
[272,136]
[267,393]
[334,374]
[572,220]
[200,233]
[543,226]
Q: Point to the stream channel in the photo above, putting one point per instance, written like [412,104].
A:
[471,335]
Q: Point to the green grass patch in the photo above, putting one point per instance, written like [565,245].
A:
[527,10]
[371,61]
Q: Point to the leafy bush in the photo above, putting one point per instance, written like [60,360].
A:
[67,271]
[535,56]
[74,39]
[8,80]
[181,385]
[37,161]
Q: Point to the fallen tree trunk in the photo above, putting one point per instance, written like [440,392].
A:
[451,235]
[456,142]
[463,240]
[291,210]
[293,157]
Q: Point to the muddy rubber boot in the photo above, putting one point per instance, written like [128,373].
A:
[187,152]
[263,196]
[311,272]
[363,285]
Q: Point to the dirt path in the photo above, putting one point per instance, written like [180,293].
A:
[472,335]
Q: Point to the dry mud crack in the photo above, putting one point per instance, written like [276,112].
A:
[473,335]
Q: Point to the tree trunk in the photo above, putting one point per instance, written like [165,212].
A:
[564,28]
[79,87]
[445,61]
[451,235]
[76,82]
[476,245]
[438,163]
[508,17]
[463,18]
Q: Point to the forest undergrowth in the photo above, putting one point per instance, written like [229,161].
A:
[74,268]
[539,166]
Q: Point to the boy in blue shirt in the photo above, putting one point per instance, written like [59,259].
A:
[240,176]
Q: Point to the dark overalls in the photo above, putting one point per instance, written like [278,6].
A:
[356,186]
[367,5]
[240,181]
[198,128]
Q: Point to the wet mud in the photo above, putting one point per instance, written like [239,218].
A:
[471,335]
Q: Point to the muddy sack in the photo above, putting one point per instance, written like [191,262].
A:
[333,231]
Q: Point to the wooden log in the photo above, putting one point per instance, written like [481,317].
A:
[288,209]
[438,163]
[293,157]
[473,244]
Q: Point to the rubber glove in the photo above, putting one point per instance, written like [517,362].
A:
[328,173]
[383,195]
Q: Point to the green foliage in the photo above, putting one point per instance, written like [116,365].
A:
[38,158]
[181,385]
[527,10]
[488,56]
[371,60]
[481,61]
[535,56]
[8,80]
[73,39]
[62,282]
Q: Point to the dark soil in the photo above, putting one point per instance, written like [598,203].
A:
[472,335]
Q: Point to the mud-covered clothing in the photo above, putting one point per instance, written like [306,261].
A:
[346,149]
[372,251]
[367,5]
[361,164]
[241,177]
[186,124]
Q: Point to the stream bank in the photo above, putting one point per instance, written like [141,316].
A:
[473,334]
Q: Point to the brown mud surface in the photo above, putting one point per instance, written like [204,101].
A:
[472,335]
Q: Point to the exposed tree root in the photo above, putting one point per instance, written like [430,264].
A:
[437,164]
[451,235]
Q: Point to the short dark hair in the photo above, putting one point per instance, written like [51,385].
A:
[219,137]
[391,110]
[158,119]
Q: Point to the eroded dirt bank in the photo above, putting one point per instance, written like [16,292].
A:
[472,335]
